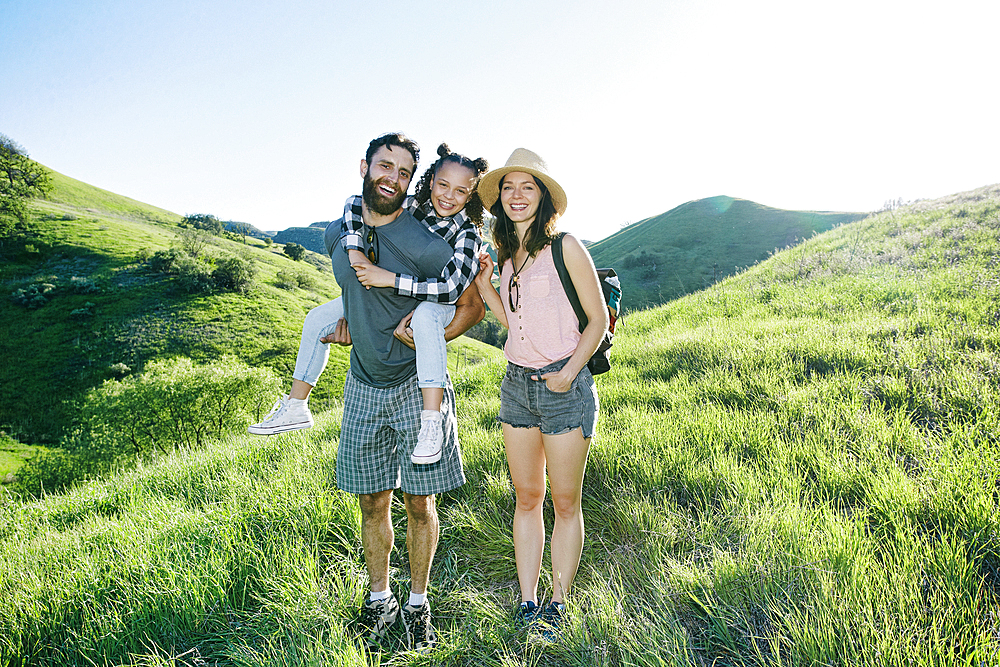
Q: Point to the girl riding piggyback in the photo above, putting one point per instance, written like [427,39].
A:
[447,201]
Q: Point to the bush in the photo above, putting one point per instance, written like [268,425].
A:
[48,472]
[235,274]
[35,295]
[165,261]
[194,275]
[174,404]
[84,312]
[83,285]
[290,280]
[295,251]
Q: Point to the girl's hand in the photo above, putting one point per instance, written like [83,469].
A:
[556,382]
[370,276]
[484,277]
[357,258]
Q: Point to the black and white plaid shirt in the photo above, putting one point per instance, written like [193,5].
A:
[457,230]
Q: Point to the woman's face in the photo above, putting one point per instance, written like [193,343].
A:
[451,187]
[520,196]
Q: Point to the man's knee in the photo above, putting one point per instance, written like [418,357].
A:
[375,505]
[420,508]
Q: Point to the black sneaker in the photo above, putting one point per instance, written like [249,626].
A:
[375,619]
[551,620]
[526,614]
[419,631]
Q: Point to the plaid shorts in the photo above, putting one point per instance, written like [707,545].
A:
[379,432]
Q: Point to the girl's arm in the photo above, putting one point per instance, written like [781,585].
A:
[486,289]
[354,223]
[456,274]
[588,289]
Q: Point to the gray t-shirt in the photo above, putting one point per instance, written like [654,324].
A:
[405,246]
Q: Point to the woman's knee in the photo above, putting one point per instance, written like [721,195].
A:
[529,498]
[566,505]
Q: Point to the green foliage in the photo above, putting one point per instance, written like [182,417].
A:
[295,251]
[235,274]
[193,241]
[204,221]
[21,179]
[35,295]
[173,404]
[286,279]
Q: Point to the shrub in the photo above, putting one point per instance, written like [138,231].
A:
[83,285]
[81,313]
[194,275]
[48,472]
[35,295]
[165,261]
[174,404]
[290,280]
[235,274]
[295,251]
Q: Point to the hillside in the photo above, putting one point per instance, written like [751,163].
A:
[701,242]
[796,466]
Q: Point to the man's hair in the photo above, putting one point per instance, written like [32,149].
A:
[393,139]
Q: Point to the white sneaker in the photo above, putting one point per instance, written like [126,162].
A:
[428,449]
[288,414]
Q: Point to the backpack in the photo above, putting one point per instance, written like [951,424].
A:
[611,286]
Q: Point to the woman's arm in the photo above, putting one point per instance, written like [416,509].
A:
[588,289]
[483,281]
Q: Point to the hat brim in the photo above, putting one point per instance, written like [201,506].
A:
[489,186]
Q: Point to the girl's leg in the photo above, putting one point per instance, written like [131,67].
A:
[313,353]
[566,455]
[428,323]
[526,462]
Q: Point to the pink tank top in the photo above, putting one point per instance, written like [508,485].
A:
[544,327]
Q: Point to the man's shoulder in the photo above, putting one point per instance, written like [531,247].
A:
[332,235]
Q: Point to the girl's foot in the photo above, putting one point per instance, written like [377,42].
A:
[288,414]
[428,449]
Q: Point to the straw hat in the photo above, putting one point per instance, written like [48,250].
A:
[530,163]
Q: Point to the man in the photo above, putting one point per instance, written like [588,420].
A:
[382,402]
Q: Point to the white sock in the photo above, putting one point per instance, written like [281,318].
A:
[431,414]
[293,401]
[417,599]
[377,596]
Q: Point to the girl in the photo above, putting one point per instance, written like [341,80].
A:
[548,401]
[447,201]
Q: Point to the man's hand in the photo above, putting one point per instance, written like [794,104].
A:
[340,336]
[403,332]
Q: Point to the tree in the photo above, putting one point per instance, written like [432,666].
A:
[295,251]
[21,179]
[206,221]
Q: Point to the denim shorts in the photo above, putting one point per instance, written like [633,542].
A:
[529,403]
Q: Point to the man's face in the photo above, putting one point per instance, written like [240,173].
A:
[386,179]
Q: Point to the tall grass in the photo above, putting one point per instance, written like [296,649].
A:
[798,466]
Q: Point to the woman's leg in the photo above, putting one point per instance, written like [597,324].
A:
[526,462]
[566,455]
[428,323]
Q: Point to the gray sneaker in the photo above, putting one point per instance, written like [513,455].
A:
[287,415]
[419,631]
[375,619]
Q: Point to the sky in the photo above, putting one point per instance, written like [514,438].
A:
[260,111]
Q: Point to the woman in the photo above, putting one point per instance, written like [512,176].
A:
[548,401]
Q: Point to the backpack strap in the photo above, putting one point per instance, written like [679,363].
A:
[567,281]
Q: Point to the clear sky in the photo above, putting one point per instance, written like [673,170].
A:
[260,111]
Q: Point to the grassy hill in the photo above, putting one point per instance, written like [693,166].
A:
[797,466]
[107,315]
[701,242]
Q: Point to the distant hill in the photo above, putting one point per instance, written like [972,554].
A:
[701,242]
[310,238]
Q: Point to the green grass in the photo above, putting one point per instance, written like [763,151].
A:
[798,466]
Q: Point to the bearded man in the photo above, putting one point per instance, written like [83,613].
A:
[382,402]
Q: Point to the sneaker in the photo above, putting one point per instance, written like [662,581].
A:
[526,615]
[288,414]
[375,619]
[428,449]
[419,631]
[551,620]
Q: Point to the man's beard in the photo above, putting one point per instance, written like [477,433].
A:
[378,202]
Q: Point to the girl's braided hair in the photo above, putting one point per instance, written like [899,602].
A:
[479,166]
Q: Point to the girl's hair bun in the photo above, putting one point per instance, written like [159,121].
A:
[481,164]
[443,150]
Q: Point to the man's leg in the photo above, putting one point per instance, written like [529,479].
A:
[422,528]
[377,536]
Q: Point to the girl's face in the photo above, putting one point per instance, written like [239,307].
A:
[451,187]
[520,196]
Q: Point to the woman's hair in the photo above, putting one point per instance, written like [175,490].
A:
[479,166]
[540,234]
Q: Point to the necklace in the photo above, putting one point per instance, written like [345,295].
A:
[514,286]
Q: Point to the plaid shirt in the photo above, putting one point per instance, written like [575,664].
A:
[457,230]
